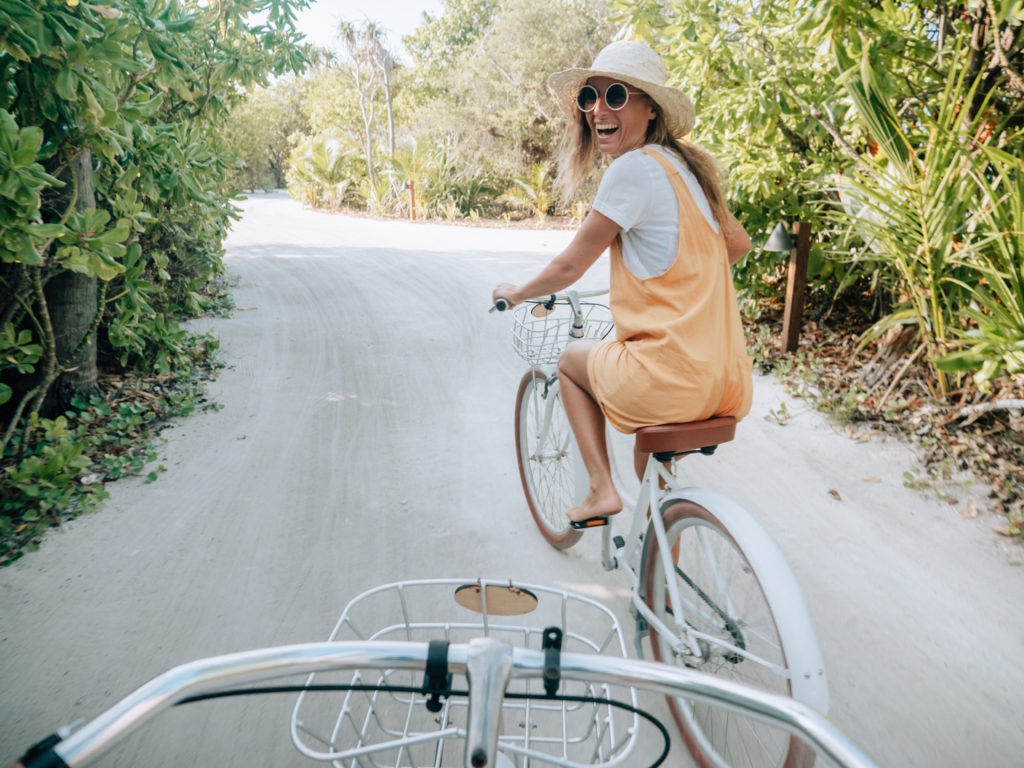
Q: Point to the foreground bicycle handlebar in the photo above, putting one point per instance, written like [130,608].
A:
[489,665]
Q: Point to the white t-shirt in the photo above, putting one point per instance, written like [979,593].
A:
[636,194]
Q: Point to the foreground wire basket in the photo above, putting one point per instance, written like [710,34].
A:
[540,340]
[375,728]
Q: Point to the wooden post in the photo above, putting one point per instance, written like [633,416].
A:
[412,200]
[795,287]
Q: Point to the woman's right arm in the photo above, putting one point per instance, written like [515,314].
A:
[591,240]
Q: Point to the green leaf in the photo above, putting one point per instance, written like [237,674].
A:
[965,360]
[14,50]
[29,142]
[27,253]
[116,235]
[46,231]
[67,83]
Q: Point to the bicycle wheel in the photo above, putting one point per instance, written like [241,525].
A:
[726,600]
[546,465]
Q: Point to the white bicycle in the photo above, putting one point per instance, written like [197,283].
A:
[709,586]
[466,673]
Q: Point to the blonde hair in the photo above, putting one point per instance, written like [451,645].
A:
[578,154]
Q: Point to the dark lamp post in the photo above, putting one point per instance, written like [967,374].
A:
[781,241]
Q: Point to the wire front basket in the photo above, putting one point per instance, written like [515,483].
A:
[371,728]
[540,340]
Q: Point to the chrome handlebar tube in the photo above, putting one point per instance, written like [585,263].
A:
[488,664]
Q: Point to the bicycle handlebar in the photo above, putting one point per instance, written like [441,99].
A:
[502,304]
[491,664]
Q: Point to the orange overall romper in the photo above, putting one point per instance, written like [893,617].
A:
[679,353]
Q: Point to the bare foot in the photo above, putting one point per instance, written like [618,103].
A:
[595,505]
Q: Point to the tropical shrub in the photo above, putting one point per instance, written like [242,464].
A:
[322,172]
[114,201]
[930,209]
[534,192]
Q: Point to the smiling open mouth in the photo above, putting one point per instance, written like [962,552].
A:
[606,130]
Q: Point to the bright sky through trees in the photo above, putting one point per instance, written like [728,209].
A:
[319,22]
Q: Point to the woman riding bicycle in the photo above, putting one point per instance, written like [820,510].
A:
[679,353]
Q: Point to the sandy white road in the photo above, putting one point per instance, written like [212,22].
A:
[365,437]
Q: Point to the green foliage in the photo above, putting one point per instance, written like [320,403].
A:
[441,186]
[21,179]
[492,105]
[474,94]
[42,485]
[89,247]
[929,209]
[533,192]
[440,42]
[18,352]
[116,102]
[262,131]
[993,340]
[111,168]
[321,172]
[376,192]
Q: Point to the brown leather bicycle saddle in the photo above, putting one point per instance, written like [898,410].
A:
[686,438]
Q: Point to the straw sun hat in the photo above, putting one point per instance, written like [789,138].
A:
[638,65]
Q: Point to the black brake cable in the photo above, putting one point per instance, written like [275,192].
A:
[448,693]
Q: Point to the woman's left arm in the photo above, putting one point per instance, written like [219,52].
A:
[737,241]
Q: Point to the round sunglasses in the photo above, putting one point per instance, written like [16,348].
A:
[616,96]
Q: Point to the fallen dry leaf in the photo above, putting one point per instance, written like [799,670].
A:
[872,479]
[970,512]
[834,494]
[245,309]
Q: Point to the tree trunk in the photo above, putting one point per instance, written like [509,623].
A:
[72,301]
[386,67]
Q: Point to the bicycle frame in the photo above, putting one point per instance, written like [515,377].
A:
[627,557]
[626,553]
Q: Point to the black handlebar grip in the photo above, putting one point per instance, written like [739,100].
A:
[501,305]
[42,755]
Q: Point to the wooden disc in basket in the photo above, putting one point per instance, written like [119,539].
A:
[506,600]
[541,310]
